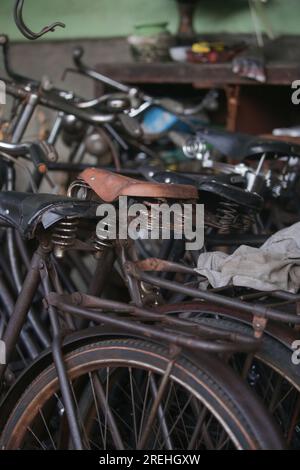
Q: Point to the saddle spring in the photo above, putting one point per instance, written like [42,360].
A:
[81,190]
[101,244]
[230,218]
[64,235]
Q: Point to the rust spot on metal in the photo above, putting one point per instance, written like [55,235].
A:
[259,325]
[77,298]
[160,265]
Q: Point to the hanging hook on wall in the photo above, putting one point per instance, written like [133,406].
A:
[18,15]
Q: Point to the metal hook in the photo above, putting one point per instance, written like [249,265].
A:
[27,33]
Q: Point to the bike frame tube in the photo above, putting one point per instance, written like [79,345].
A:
[24,118]
[217,299]
[71,304]
[22,306]
[8,302]
[59,362]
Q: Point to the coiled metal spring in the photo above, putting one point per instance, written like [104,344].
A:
[100,243]
[230,218]
[64,235]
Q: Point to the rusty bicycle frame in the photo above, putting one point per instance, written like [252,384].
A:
[134,318]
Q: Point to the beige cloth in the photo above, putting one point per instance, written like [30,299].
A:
[273,266]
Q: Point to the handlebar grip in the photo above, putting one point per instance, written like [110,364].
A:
[41,153]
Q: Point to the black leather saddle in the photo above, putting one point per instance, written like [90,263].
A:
[229,193]
[24,211]
[209,186]
[239,146]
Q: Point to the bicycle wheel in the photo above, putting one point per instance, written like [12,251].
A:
[117,389]
[271,375]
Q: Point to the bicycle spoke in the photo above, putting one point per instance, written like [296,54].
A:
[47,429]
[109,418]
[97,411]
[133,406]
[156,403]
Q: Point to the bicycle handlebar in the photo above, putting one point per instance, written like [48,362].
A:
[40,153]
[77,56]
[166,103]
[53,101]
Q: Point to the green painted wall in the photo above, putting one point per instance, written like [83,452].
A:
[107,18]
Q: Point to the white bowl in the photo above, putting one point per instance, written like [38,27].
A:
[178,54]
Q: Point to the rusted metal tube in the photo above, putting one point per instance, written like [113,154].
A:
[217,299]
[151,332]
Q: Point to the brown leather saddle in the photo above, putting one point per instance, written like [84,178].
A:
[110,186]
